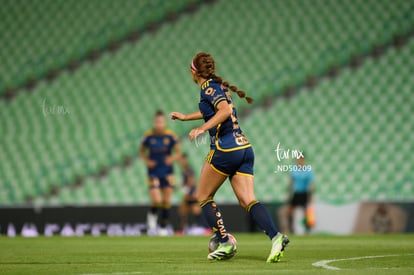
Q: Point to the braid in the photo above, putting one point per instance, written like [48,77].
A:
[204,65]
[241,94]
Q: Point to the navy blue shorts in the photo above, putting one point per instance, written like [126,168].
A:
[299,199]
[160,182]
[238,162]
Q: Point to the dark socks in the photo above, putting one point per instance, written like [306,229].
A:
[165,215]
[261,216]
[214,219]
[155,207]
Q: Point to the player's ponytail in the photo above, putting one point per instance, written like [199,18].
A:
[203,65]
[241,94]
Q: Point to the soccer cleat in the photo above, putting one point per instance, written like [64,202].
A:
[163,232]
[224,251]
[152,222]
[279,243]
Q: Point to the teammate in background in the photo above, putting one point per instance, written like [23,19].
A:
[157,152]
[301,188]
[189,205]
[231,156]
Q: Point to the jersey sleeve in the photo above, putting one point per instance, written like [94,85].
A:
[173,138]
[213,94]
[145,140]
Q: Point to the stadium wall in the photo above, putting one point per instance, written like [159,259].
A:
[96,220]
[356,218]
[359,218]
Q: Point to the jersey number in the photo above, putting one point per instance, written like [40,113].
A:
[233,117]
[210,91]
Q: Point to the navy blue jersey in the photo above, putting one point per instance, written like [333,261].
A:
[227,136]
[159,147]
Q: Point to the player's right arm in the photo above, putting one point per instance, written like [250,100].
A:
[144,156]
[184,117]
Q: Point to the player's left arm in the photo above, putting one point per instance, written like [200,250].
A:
[222,113]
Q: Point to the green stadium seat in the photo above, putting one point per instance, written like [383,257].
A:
[112,101]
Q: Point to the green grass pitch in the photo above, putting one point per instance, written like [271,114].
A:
[187,255]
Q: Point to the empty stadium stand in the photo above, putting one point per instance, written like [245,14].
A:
[355,128]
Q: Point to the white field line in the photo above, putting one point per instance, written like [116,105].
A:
[116,273]
[204,272]
[325,263]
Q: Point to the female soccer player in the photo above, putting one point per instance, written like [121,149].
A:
[157,152]
[231,156]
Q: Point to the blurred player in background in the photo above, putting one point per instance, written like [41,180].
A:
[301,188]
[156,151]
[231,156]
[189,206]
